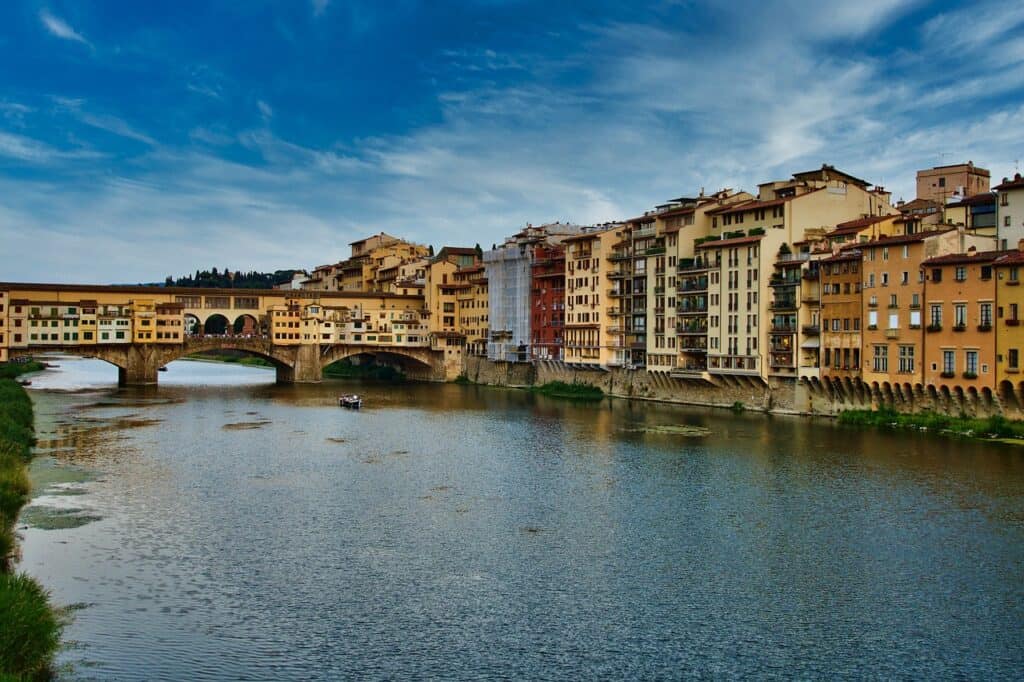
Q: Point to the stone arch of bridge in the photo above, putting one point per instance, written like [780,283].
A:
[336,353]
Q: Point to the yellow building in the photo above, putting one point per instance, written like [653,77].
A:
[590,310]
[472,305]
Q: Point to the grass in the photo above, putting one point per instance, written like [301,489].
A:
[995,426]
[29,627]
[574,391]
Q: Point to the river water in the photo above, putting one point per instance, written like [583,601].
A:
[222,527]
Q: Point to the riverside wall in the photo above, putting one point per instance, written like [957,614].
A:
[782,395]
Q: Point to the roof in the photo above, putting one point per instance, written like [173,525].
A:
[844,255]
[471,269]
[195,291]
[861,223]
[915,204]
[1016,183]
[589,235]
[827,172]
[977,200]
[731,242]
[965,258]
[899,239]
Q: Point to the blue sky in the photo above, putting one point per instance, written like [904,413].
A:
[138,141]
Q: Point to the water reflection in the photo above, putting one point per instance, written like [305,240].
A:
[467,531]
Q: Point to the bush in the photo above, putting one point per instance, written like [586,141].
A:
[574,391]
[31,630]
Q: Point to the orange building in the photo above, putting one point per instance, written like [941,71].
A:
[841,310]
[960,343]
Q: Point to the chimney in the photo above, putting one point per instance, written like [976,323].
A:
[972,251]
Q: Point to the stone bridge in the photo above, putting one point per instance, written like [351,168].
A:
[139,364]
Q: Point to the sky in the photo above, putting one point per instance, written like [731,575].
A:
[140,140]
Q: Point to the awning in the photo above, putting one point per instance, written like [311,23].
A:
[811,343]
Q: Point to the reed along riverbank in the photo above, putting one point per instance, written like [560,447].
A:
[29,626]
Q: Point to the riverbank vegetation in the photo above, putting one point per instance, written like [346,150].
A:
[346,369]
[10,370]
[574,391]
[231,357]
[991,427]
[29,626]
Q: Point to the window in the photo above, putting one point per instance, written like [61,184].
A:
[961,273]
[971,362]
[885,279]
[881,359]
[959,314]
[873,319]
[986,272]
[985,314]
[948,363]
[1014,274]
[935,312]
[906,359]
[1013,358]
[904,277]
[1006,221]
[1013,312]
[936,274]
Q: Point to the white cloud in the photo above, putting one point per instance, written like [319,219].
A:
[319,6]
[60,28]
[265,110]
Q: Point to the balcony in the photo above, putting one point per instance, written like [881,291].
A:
[617,274]
[733,364]
[812,275]
[642,232]
[692,265]
[692,309]
[693,284]
[810,299]
[783,304]
[892,333]
[655,251]
[984,327]
[811,330]
[1012,322]
[934,327]
[792,257]
[690,329]
[960,327]
[783,329]
[783,281]
[620,256]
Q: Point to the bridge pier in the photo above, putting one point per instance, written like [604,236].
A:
[141,366]
[306,370]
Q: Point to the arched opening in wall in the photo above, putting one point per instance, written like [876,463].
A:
[192,325]
[933,393]
[908,393]
[216,325]
[246,326]
[960,396]
[1007,396]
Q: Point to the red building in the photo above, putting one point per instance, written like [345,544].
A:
[547,301]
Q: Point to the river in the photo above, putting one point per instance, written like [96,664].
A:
[223,527]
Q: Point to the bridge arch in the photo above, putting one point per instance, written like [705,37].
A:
[247,325]
[216,325]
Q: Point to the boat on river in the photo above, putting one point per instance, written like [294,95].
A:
[351,401]
[25,382]
[162,369]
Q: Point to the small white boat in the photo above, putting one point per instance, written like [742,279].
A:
[352,401]
[162,369]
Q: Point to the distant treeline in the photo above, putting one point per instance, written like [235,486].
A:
[231,280]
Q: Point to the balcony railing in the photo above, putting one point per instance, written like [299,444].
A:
[892,333]
[811,329]
[733,364]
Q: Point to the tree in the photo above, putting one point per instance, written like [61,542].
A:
[479,251]
[430,251]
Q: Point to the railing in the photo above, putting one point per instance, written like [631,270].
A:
[783,304]
[733,364]
[892,333]
[811,329]
[783,329]
[790,257]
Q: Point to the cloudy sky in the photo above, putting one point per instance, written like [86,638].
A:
[138,141]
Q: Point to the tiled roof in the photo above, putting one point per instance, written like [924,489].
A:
[905,238]
[731,242]
[965,258]
[1017,182]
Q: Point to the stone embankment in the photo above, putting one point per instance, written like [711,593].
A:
[782,396]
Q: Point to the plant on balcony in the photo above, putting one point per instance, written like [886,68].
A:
[1013,323]
[756,231]
[873,327]
[959,327]
[984,327]
[784,249]
[948,375]
[970,375]
[934,327]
